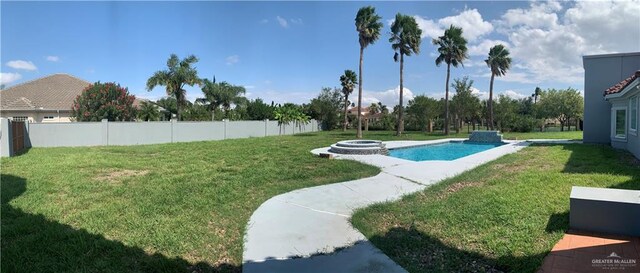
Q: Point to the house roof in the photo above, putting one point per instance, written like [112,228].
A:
[354,110]
[54,92]
[621,85]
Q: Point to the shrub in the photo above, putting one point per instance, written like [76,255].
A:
[104,101]
[524,124]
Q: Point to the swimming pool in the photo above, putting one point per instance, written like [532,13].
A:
[443,151]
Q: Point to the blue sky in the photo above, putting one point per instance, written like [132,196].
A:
[287,51]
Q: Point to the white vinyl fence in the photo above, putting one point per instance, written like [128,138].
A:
[135,133]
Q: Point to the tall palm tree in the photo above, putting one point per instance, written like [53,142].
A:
[221,94]
[405,40]
[368,26]
[148,111]
[499,62]
[348,81]
[178,74]
[452,48]
[536,94]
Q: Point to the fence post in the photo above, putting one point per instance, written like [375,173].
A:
[266,127]
[6,145]
[105,132]
[27,139]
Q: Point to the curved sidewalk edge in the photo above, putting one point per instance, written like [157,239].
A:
[308,230]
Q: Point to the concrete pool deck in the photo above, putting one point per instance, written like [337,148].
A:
[308,230]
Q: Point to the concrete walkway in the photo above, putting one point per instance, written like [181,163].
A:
[308,230]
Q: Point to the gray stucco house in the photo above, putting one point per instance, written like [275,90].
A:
[611,100]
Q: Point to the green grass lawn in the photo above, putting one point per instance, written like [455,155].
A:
[156,208]
[505,215]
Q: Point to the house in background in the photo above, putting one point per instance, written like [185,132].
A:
[611,100]
[47,99]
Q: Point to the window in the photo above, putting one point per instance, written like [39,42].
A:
[620,123]
[20,118]
[633,115]
[48,117]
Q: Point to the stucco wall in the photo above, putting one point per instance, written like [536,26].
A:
[600,73]
[632,142]
[38,116]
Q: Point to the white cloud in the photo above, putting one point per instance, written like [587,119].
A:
[249,87]
[7,78]
[548,41]
[297,21]
[264,21]
[233,59]
[470,21]
[430,29]
[390,97]
[482,48]
[20,64]
[480,94]
[539,14]
[513,94]
[53,58]
[283,22]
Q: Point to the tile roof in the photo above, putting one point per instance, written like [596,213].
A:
[54,92]
[621,85]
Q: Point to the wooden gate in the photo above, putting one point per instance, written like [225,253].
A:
[17,130]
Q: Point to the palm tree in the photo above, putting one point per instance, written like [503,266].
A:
[499,62]
[348,82]
[536,94]
[453,50]
[374,108]
[221,94]
[405,40]
[383,108]
[178,74]
[368,26]
[148,111]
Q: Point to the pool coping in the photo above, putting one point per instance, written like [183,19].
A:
[414,170]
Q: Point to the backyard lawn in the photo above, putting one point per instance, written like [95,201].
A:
[183,207]
[503,216]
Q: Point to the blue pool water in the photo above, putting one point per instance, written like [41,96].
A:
[444,151]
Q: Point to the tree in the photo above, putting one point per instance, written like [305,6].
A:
[405,40]
[563,105]
[499,62]
[348,81]
[374,108]
[195,112]
[100,101]
[326,107]
[423,110]
[148,111]
[178,74]
[221,94]
[466,105]
[536,94]
[290,113]
[506,112]
[368,26]
[169,104]
[452,48]
[258,110]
